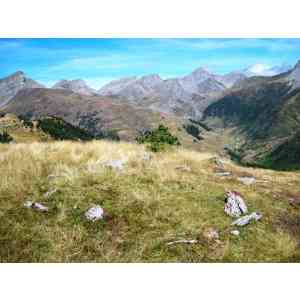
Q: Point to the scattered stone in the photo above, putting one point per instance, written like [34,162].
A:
[247,180]
[235,205]
[223,174]
[36,206]
[235,232]
[247,219]
[219,163]
[184,168]
[211,234]
[95,213]
[50,193]
[183,242]
[147,156]
[117,164]
[295,202]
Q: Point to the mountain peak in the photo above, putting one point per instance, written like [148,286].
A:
[201,71]
[77,86]
[297,66]
[18,73]
[12,84]
[151,76]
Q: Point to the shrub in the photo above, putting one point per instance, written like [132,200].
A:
[192,130]
[203,125]
[109,135]
[26,121]
[5,138]
[158,139]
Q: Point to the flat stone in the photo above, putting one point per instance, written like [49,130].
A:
[256,216]
[36,206]
[223,174]
[235,232]
[247,180]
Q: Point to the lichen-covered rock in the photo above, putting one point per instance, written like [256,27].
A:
[95,213]
[235,205]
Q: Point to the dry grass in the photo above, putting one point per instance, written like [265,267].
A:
[149,203]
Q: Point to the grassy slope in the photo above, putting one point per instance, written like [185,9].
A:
[149,203]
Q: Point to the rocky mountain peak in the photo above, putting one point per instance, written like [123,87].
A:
[77,86]
[18,74]
[150,81]
[295,75]
[297,66]
[12,84]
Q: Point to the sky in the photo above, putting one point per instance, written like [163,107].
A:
[99,61]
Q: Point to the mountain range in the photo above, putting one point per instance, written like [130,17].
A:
[263,112]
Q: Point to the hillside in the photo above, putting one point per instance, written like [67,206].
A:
[95,114]
[103,117]
[148,203]
[266,113]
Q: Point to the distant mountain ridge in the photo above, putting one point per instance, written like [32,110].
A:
[199,82]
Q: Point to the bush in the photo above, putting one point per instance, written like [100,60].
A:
[26,121]
[108,135]
[192,130]
[5,138]
[158,139]
[203,125]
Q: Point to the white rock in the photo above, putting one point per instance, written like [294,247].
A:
[223,174]
[95,213]
[146,156]
[36,206]
[117,164]
[235,232]
[235,205]
[247,219]
[247,180]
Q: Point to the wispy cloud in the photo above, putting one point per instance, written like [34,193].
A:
[215,44]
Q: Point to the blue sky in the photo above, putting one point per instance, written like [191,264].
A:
[99,61]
